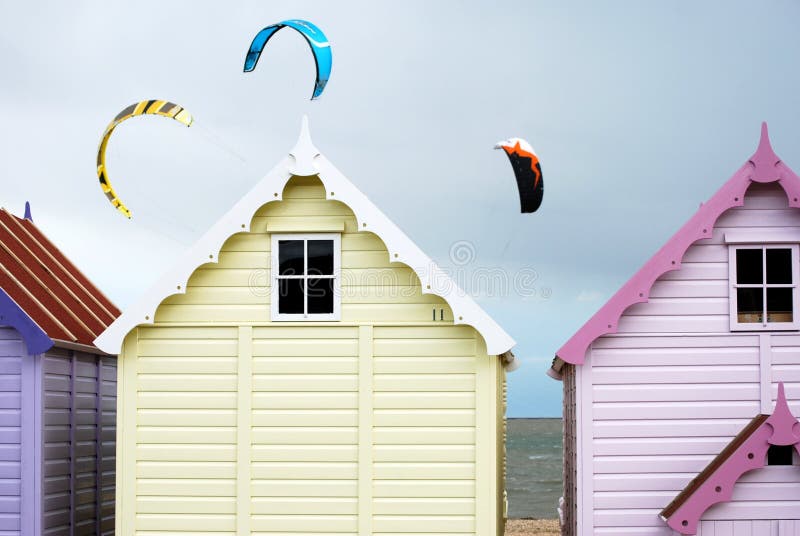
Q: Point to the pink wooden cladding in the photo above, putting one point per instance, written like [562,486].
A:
[674,386]
[763,167]
[749,528]
[786,368]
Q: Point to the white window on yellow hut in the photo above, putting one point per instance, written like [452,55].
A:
[306,272]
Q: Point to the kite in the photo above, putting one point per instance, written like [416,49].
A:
[527,170]
[148,107]
[315,39]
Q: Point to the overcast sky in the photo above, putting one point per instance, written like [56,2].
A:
[638,111]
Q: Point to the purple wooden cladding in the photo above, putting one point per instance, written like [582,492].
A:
[57,435]
[11,350]
[781,428]
[763,167]
[79,410]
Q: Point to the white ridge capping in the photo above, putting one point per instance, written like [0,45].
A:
[306,160]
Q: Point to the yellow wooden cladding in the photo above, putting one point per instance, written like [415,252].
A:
[237,288]
[366,437]
[244,432]
[384,423]
[310,227]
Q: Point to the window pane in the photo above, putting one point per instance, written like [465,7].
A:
[290,298]
[779,304]
[290,257]
[750,304]
[749,267]
[780,455]
[779,266]
[320,296]
[320,257]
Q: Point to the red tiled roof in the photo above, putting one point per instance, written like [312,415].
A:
[48,287]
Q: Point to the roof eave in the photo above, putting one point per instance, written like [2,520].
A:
[204,251]
[11,314]
[555,369]
[87,348]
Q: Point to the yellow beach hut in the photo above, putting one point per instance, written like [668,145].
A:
[305,369]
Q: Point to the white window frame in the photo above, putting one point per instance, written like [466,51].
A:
[274,277]
[764,245]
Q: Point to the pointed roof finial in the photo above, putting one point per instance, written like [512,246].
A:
[304,153]
[28,211]
[783,422]
[764,160]
[304,131]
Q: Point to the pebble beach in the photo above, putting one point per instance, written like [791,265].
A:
[531,527]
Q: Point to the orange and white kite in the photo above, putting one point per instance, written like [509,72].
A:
[527,170]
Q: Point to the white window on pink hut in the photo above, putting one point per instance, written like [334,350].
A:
[763,286]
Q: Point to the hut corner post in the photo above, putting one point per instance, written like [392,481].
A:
[486,448]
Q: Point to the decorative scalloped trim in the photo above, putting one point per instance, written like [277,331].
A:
[763,167]
[717,487]
[749,456]
[306,160]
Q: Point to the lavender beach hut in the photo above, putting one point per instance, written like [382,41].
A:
[681,393]
[57,391]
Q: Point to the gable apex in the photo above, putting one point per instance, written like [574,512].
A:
[304,153]
[764,160]
[306,160]
[763,167]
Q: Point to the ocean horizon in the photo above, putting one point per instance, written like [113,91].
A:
[534,467]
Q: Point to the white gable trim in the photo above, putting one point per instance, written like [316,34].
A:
[772,236]
[306,160]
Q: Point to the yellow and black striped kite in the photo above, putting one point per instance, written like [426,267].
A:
[147,107]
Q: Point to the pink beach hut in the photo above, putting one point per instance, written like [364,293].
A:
[57,391]
[680,392]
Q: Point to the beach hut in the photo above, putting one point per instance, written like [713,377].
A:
[57,391]
[306,369]
[679,393]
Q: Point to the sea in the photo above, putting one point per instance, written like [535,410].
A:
[534,462]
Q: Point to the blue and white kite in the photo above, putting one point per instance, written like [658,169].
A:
[315,39]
